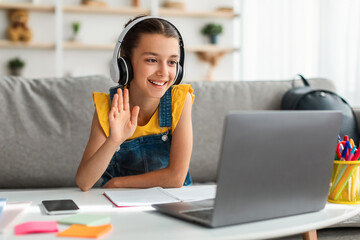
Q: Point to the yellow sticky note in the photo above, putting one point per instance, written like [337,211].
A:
[83,231]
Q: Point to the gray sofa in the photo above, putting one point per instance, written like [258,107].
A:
[45,124]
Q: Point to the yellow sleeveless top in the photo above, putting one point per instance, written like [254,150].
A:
[178,96]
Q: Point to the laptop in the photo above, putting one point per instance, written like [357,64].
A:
[272,164]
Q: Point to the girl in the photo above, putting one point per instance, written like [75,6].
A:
[143,138]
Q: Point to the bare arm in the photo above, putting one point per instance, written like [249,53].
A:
[180,153]
[99,149]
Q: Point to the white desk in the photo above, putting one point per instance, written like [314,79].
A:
[146,223]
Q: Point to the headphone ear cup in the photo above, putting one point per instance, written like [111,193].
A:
[179,74]
[125,71]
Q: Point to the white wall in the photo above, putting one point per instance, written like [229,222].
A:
[101,28]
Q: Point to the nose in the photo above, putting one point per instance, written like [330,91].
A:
[162,69]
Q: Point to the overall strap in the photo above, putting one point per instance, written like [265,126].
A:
[112,92]
[165,119]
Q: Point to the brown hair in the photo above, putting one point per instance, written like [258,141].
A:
[151,25]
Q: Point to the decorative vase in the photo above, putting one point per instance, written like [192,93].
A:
[214,39]
[74,37]
[16,72]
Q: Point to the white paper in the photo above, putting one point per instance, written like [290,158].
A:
[158,195]
[2,204]
[193,193]
[140,197]
[10,212]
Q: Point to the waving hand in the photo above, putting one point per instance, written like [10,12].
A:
[122,121]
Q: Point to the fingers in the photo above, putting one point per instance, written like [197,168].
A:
[115,101]
[126,100]
[120,100]
[134,115]
[111,114]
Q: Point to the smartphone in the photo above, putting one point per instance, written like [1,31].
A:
[63,206]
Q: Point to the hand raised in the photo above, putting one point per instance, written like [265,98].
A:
[122,122]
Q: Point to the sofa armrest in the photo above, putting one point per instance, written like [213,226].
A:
[357,115]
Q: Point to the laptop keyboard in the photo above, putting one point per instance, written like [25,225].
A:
[204,214]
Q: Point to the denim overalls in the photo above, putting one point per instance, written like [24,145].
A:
[147,153]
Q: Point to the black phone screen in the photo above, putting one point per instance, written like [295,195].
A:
[60,206]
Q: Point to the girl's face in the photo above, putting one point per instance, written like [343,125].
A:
[154,64]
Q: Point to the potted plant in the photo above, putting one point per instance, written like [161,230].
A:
[212,30]
[75,28]
[15,66]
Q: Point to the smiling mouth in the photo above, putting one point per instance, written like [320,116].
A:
[158,83]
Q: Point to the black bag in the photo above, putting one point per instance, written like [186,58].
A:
[308,98]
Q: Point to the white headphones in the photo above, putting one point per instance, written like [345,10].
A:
[121,70]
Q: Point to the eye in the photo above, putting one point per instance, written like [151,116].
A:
[172,62]
[151,60]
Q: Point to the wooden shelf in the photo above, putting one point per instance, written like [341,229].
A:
[9,44]
[181,13]
[27,6]
[87,46]
[60,10]
[105,10]
[209,48]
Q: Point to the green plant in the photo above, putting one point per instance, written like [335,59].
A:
[16,63]
[212,29]
[76,27]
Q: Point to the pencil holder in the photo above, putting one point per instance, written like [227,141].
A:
[345,183]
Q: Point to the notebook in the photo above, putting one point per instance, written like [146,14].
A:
[157,195]
[272,164]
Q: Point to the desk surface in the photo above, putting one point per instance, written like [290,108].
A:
[146,223]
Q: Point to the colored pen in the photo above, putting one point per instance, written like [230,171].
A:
[339,138]
[356,155]
[344,152]
[352,142]
[349,157]
[341,148]
[346,138]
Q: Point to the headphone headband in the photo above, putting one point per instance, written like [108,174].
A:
[114,66]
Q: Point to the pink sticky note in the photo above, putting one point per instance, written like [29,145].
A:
[36,227]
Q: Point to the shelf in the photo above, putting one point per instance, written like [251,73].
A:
[181,13]
[59,45]
[105,10]
[87,46]
[27,6]
[209,48]
[10,44]
[116,10]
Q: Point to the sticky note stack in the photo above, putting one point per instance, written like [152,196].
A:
[85,226]
[83,231]
[36,227]
[85,219]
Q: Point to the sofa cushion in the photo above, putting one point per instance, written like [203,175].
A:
[213,100]
[44,125]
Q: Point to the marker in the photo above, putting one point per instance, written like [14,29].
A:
[349,157]
[341,148]
[344,152]
[352,142]
[356,155]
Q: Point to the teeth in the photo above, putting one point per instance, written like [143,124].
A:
[157,83]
